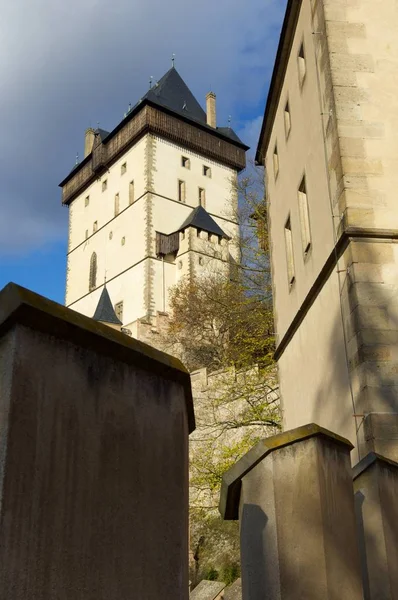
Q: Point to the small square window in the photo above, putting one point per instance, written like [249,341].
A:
[87,201]
[186,163]
[206,171]
[119,311]
[302,66]
[181,191]
[95,226]
[288,123]
[123,168]
[104,185]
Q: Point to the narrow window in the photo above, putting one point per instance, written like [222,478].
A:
[302,66]
[289,252]
[202,197]
[181,191]
[93,272]
[95,226]
[123,241]
[123,168]
[86,234]
[119,311]
[104,185]
[87,201]
[183,234]
[131,192]
[186,163]
[206,171]
[198,232]
[276,162]
[288,123]
[117,208]
[304,217]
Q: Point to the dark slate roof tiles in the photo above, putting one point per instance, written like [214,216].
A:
[105,312]
[201,219]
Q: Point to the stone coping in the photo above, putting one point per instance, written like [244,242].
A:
[21,306]
[207,590]
[371,459]
[232,479]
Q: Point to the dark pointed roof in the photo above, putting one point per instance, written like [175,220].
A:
[105,312]
[173,93]
[201,219]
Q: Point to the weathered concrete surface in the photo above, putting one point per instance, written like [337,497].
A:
[376,493]
[297,519]
[208,590]
[94,459]
[234,591]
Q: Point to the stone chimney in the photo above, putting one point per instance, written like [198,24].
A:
[88,141]
[211,109]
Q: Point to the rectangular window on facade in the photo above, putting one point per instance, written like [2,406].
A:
[302,66]
[131,192]
[119,311]
[86,233]
[186,163]
[95,226]
[87,201]
[123,168]
[206,171]
[181,191]
[288,123]
[202,197]
[304,217]
[276,162]
[104,185]
[289,252]
[117,205]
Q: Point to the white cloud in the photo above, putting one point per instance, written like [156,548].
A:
[66,65]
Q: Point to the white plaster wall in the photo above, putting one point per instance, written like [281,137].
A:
[101,205]
[314,381]
[301,153]
[128,287]
[219,194]
[113,258]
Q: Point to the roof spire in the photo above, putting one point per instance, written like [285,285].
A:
[77,158]
[229,121]
[173,58]
[150,81]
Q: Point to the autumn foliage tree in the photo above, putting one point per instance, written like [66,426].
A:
[225,324]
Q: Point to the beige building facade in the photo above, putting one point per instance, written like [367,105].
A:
[329,144]
[154,200]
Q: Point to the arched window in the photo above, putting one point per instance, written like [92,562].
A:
[92,284]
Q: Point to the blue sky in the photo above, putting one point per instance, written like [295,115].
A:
[65,66]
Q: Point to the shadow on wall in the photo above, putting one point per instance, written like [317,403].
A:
[253,534]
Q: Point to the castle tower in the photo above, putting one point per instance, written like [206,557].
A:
[152,200]
[329,144]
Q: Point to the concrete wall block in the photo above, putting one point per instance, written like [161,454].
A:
[297,517]
[94,458]
[361,129]
[359,166]
[352,147]
[372,252]
[376,490]
[374,294]
[380,429]
[352,62]
[367,273]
